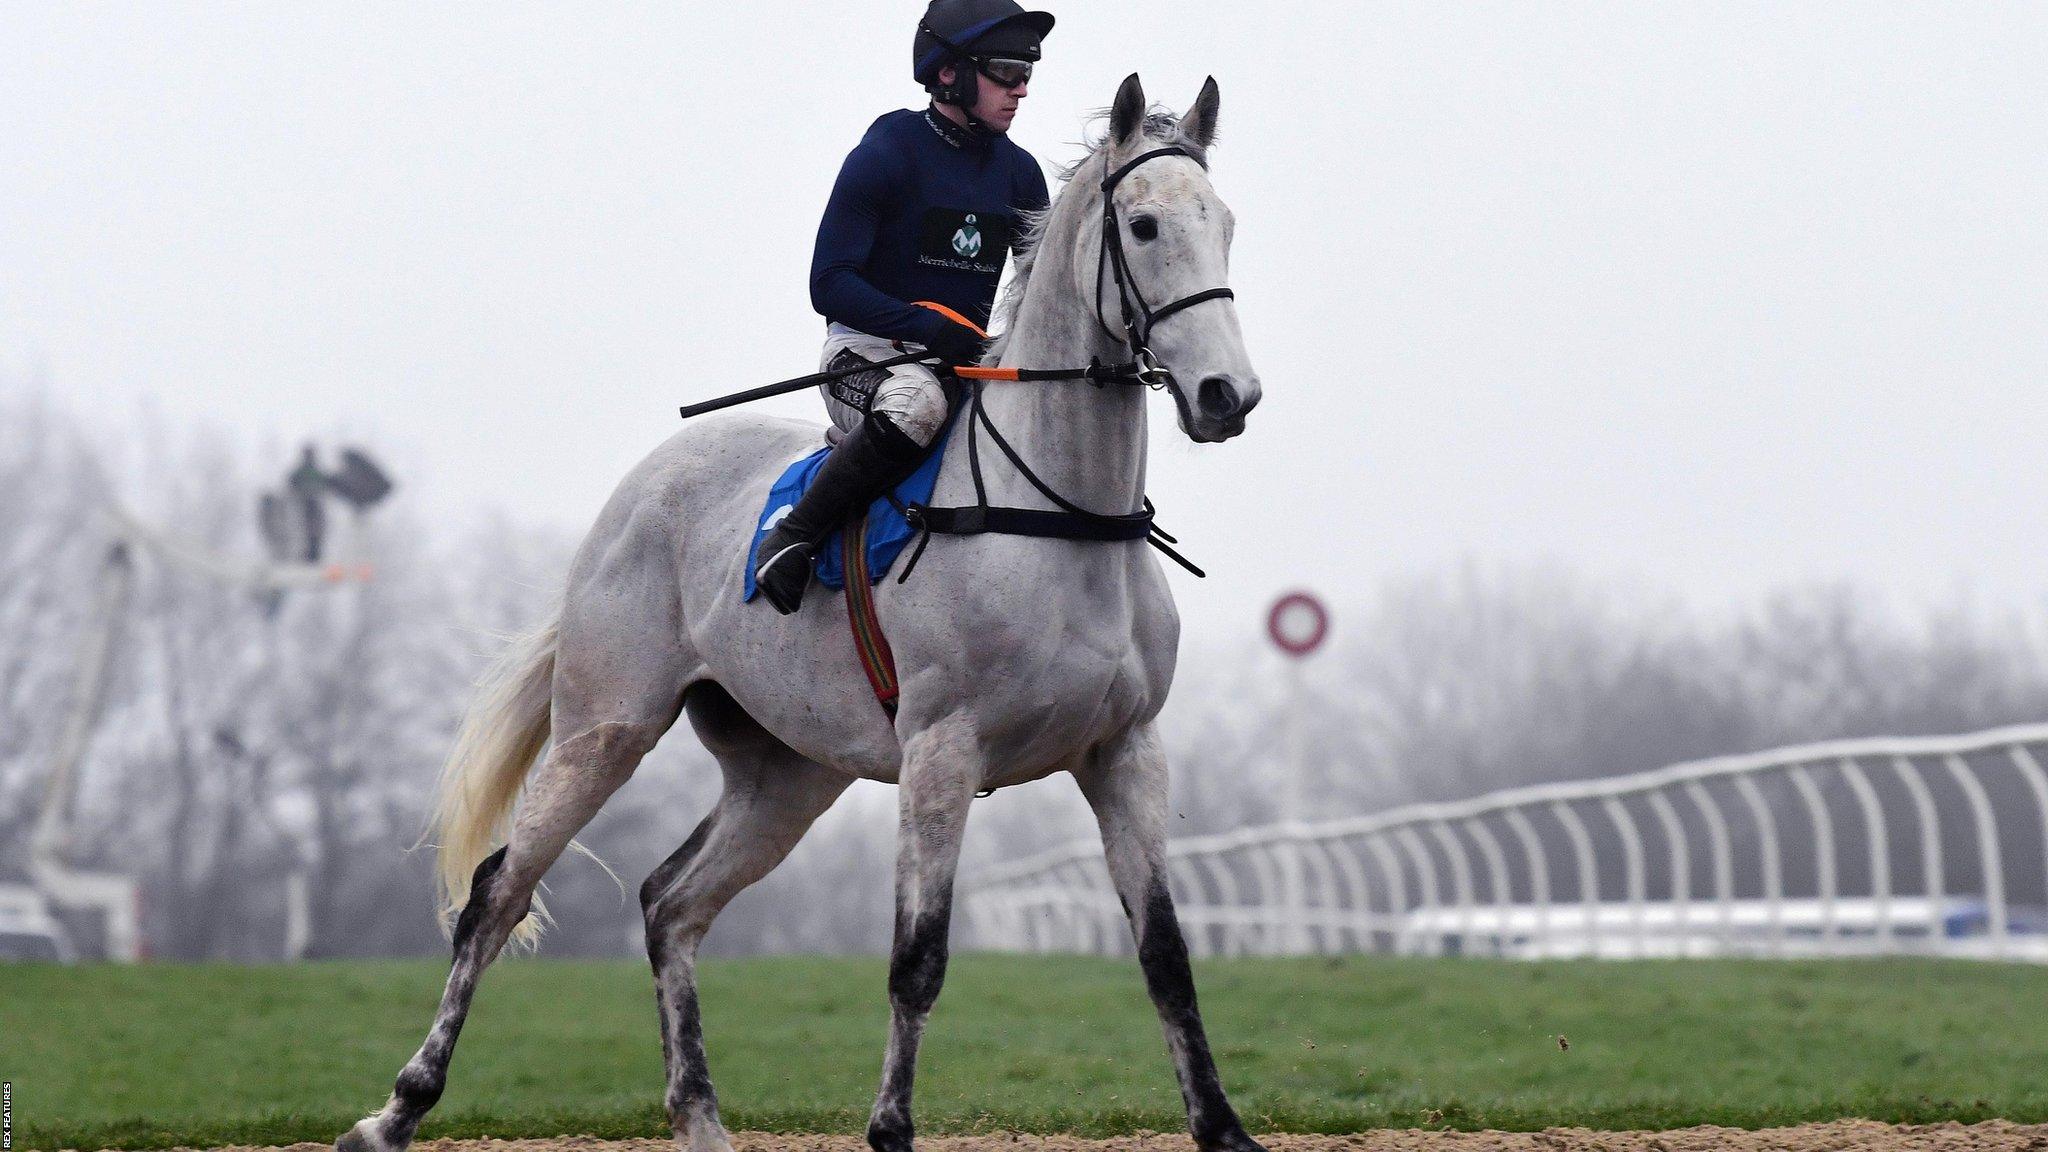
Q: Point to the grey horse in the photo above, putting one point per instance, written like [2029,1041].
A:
[1019,657]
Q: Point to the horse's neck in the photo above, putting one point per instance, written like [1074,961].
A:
[1086,443]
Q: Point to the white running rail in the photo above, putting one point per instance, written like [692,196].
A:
[1930,845]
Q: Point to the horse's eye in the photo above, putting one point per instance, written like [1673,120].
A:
[1144,228]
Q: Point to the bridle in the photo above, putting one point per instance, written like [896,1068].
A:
[1138,316]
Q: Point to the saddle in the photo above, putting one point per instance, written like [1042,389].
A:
[884,528]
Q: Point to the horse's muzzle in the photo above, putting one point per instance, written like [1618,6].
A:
[1223,403]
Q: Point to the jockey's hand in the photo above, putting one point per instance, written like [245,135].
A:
[957,344]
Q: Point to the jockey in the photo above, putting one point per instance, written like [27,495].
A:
[925,209]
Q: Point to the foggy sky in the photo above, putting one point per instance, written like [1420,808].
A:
[1702,298]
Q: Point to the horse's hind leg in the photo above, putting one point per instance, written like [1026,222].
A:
[566,792]
[1125,783]
[771,797]
[612,701]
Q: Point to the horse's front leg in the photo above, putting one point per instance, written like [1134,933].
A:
[941,770]
[1125,782]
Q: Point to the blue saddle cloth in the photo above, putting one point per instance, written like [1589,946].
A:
[887,533]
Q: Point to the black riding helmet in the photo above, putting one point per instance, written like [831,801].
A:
[953,31]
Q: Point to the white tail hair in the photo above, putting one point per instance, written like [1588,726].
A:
[505,730]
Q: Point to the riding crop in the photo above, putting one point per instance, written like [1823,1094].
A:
[797,385]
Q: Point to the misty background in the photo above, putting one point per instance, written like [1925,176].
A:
[1641,384]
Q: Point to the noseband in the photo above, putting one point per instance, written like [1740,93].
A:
[1138,320]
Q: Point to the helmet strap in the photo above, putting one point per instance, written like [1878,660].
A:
[966,85]
[976,127]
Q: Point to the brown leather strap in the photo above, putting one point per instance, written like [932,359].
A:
[868,642]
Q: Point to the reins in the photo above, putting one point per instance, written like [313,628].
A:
[1143,368]
[1145,371]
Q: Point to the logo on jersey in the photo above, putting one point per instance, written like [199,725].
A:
[967,241]
[964,241]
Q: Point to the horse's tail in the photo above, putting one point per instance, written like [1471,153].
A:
[505,730]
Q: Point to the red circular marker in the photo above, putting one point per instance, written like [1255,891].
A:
[1298,623]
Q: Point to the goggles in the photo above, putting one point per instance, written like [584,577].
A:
[1005,72]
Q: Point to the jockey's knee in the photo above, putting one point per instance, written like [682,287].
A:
[915,415]
[891,440]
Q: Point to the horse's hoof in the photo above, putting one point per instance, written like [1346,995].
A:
[362,1138]
[703,1135]
[1237,1140]
[883,1137]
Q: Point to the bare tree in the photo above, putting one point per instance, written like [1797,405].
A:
[244,755]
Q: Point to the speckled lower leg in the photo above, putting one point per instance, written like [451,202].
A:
[941,771]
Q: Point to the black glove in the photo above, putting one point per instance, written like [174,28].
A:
[956,344]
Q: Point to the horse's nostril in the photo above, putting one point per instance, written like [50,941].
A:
[1217,397]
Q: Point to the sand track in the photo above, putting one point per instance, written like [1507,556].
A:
[1990,1136]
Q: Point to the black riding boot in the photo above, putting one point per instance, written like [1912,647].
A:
[872,458]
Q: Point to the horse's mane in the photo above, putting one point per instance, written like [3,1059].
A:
[1161,127]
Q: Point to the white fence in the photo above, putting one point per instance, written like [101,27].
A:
[1933,845]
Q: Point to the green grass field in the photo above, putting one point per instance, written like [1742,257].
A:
[160,1055]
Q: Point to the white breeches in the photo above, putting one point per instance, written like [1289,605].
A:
[910,395]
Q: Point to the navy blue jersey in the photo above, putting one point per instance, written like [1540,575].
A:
[922,211]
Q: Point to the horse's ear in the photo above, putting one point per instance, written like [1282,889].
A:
[1127,114]
[1199,125]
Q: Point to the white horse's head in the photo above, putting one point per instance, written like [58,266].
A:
[1174,232]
